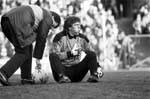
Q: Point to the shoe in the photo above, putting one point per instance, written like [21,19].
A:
[27,81]
[64,79]
[93,78]
[3,80]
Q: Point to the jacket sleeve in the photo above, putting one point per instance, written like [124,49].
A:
[85,43]
[42,33]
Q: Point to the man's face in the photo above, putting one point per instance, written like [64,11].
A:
[75,29]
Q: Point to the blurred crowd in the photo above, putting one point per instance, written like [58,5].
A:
[141,22]
[113,47]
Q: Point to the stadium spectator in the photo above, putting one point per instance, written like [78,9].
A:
[127,52]
[22,26]
[68,47]
[137,24]
[141,19]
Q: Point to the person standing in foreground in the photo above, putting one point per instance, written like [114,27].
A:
[22,26]
[71,56]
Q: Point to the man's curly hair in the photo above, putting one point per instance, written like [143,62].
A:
[69,21]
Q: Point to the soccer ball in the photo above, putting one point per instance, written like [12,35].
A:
[40,76]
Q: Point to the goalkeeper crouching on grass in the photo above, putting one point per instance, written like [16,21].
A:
[72,57]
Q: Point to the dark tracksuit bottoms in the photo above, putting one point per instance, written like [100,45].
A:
[22,57]
[76,72]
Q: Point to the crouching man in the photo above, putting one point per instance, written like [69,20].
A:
[22,26]
[71,56]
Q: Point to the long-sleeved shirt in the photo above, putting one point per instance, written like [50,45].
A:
[63,43]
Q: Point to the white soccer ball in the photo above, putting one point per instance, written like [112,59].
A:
[40,76]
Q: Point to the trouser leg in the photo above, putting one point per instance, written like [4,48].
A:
[26,67]
[21,54]
[56,66]
[77,72]
[15,62]
[91,61]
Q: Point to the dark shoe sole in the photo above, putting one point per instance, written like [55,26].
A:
[3,81]
[92,79]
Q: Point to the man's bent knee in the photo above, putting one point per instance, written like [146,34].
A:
[91,54]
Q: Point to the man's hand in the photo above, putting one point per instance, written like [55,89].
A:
[76,50]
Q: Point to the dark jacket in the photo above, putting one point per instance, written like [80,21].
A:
[22,19]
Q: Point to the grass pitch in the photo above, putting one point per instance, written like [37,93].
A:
[113,85]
